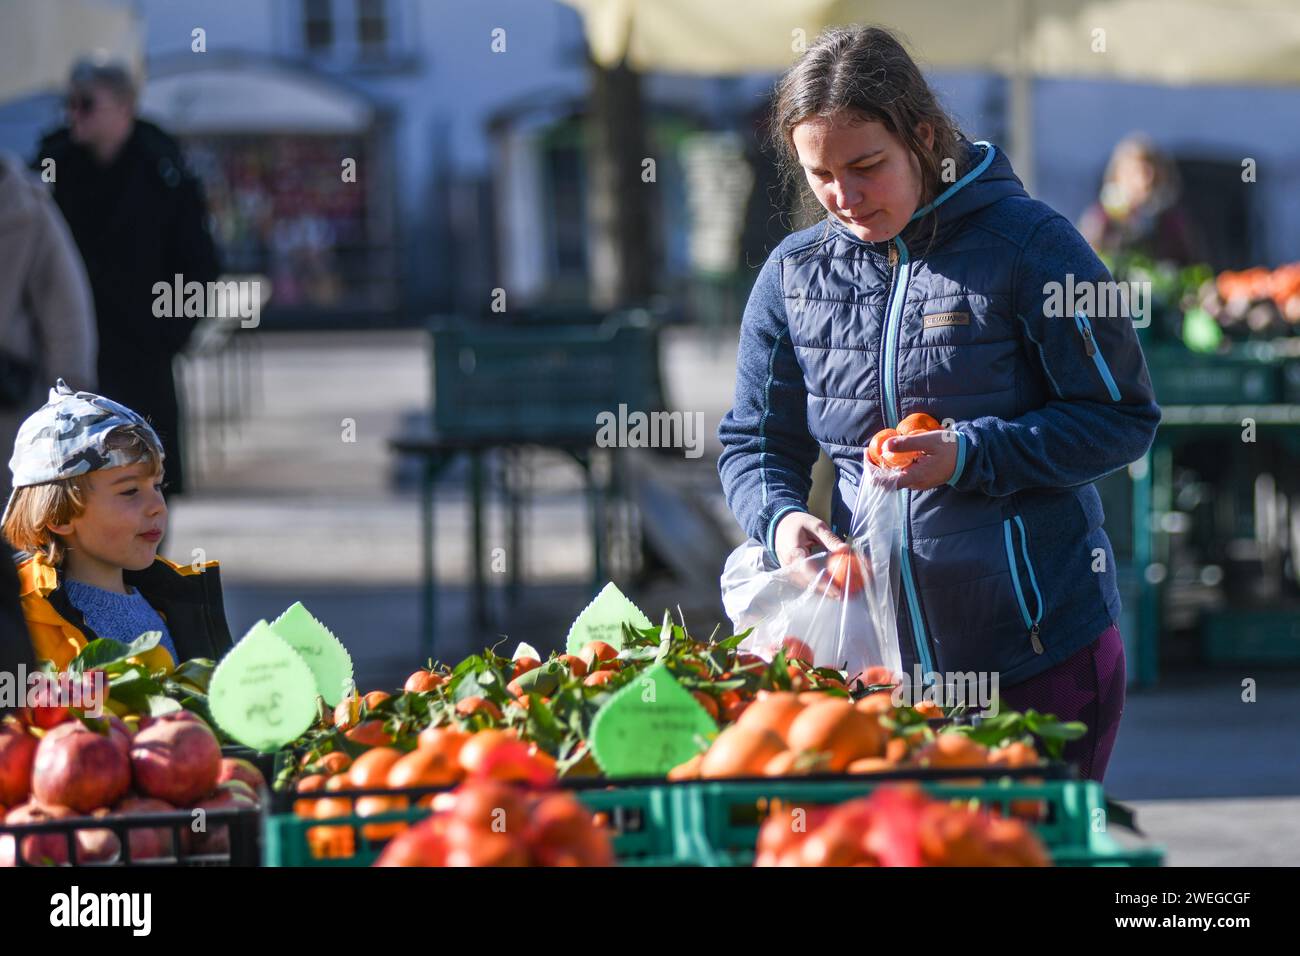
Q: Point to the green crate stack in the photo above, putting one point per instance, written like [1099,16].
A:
[716,823]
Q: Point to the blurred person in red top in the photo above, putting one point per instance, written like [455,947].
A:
[1138,210]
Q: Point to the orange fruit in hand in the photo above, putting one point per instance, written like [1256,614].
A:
[897,459]
[918,422]
[874,449]
[846,570]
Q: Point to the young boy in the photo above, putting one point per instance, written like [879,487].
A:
[87,506]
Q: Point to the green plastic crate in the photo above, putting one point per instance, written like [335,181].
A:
[1241,635]
[639,816]
[717,823]
[1182,377]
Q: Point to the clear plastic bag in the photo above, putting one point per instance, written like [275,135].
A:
[853,632]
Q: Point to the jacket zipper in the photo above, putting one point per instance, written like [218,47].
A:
[900,267]
[1034,622]
[1090,347]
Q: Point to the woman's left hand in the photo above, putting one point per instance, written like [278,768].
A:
[935,466]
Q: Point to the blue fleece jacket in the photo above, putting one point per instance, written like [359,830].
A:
[966,315]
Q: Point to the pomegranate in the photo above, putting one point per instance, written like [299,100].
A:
[17,752]
[41,849]
[236,786]
[51,696]
[147,843]
[177,759]
[78,768]
[236,768]
[98,846]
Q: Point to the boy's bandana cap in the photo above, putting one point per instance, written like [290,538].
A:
[67,436]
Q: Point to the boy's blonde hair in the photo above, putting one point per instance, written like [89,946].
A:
[35,507]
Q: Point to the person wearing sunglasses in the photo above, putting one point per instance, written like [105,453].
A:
[139,217]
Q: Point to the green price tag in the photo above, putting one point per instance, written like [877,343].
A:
[603,619]
[649,727]
[263,694]
[324,653]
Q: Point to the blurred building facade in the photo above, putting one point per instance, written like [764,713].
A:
[470,148]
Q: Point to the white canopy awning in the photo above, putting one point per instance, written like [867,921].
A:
[252,96]
[1162,41]
[41,39]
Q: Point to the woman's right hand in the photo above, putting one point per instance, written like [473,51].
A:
[799,535]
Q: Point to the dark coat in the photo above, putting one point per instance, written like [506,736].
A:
[15,642]
[137,221]
[841,338]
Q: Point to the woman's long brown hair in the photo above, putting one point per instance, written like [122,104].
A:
[867,72]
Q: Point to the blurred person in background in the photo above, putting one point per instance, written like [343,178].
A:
[1138,210]
[138,217]
[47,326]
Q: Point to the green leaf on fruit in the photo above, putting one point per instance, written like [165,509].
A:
[160,704]
[196,671]
[98,653]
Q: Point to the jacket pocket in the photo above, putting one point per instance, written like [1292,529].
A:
[973,618]
[1028,596]
[1094,352]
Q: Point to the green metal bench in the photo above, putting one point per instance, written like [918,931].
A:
[503,387]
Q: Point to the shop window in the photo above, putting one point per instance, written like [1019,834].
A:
[372,28]
[352,33]
[318,26]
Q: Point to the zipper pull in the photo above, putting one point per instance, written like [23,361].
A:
[893,255]
[1033,639]
[1088,345]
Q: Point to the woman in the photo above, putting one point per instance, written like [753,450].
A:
[1138,210]
[929,288]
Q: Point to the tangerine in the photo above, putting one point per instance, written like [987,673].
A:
[740,752]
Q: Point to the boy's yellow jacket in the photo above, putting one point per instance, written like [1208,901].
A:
[188,600]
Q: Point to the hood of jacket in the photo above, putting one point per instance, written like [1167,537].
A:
[988,179]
